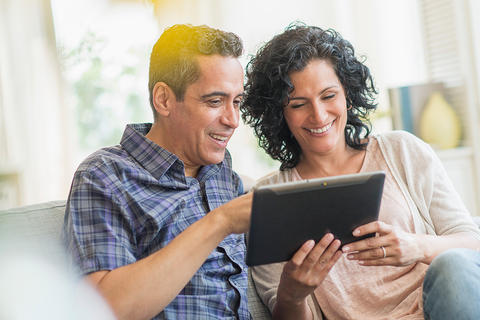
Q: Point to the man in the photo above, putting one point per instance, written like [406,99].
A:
[151,221]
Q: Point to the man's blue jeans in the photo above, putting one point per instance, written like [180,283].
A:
[451,289]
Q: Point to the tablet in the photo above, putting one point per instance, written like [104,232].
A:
[286,215]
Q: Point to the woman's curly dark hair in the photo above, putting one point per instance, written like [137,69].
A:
[268,88]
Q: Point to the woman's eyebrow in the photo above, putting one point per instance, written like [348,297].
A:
[297,98]
[303,98]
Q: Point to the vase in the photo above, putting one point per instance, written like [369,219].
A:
[439,123]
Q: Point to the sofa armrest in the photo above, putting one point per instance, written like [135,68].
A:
[42,221]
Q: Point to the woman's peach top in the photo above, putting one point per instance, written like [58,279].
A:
[352,291]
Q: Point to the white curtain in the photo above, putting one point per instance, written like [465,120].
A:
[35,126]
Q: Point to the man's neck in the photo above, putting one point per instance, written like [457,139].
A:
[157,136]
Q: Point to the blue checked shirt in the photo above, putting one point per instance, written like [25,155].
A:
[130,200]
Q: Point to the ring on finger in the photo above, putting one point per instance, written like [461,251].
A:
[384,252]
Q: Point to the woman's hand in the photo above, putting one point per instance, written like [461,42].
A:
[390,246]
[307,269]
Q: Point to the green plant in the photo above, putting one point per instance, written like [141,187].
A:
[108,90]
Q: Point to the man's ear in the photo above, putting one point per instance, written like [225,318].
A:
[163,98]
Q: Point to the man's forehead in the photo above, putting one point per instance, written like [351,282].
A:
[217,62]
[219,74]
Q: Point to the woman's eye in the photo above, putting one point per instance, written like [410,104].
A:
[296,106]
[330,96]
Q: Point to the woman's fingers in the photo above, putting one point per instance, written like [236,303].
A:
[372,254]
[308,267]
[302,253]
[318,251]
[373,227]
[377,227]
[309,255]
[337,255]
[331,257]
[365,244]
[389,261]
[332,249]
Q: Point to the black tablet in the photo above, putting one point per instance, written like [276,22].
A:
[286,215]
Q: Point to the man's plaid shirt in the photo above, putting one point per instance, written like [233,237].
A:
[130,200]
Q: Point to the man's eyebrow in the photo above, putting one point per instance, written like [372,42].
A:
[214,94]
[221,94]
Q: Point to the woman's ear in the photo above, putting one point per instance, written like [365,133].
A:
[163,97]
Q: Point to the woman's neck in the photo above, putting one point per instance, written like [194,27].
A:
[345,161]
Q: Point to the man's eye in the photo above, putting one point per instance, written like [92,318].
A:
[237,102]
[215,102]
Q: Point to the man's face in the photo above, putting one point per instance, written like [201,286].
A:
[202,124]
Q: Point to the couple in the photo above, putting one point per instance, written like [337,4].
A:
[157,222]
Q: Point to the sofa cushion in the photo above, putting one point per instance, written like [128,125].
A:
[36,222]
[35,272]
[36,228]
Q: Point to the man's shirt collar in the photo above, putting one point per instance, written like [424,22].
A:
[163,165]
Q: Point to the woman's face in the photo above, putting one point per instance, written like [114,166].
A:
[317,111]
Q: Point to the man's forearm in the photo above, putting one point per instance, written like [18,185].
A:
[143,289]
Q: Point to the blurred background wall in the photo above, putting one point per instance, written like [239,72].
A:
[73,73]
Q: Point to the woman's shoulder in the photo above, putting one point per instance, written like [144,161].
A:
[404,149]
[400,140]
[278,176]
[396,136]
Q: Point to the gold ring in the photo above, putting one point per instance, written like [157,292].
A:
[384,252]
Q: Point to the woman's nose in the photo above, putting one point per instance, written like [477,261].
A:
[319,112]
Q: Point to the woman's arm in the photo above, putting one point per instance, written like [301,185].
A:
[402,248]
[420,174]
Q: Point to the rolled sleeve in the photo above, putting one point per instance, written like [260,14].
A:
[97,231]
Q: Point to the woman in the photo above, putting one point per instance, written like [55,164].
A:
[308,98]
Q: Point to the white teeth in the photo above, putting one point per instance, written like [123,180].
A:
[217,137]
[321,130]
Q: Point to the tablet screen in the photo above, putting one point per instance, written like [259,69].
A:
[286,215]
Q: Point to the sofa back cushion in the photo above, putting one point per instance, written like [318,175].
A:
[36,222]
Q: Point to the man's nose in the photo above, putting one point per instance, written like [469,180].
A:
[230,116]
